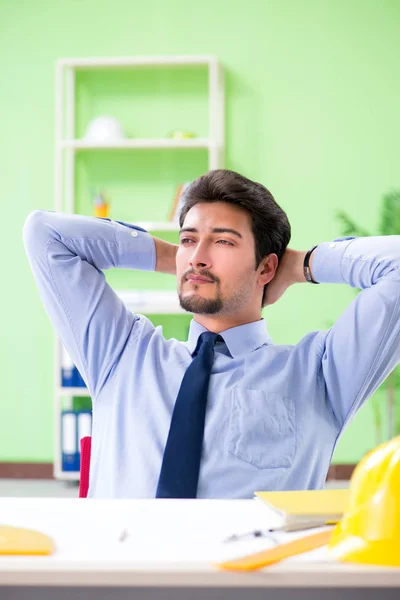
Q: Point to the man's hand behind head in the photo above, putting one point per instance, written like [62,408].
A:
[289,271]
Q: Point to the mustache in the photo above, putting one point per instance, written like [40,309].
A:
[202,274]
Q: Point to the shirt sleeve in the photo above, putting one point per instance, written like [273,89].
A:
[68,254]
[363,346]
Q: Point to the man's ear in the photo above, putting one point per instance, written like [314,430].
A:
[268,266]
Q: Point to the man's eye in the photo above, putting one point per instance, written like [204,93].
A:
[225,242]
[185,240]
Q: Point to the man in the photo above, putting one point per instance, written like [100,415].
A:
[221,415]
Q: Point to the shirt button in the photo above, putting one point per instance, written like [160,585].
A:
[134,233]
[333,245]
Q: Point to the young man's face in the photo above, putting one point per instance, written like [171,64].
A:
[215,262]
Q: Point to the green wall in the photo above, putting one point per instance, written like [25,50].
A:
[312,111]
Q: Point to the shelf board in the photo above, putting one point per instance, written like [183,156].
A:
[158,226]
[137,61]
[73,391]
[67,475]
[152,302]
[139,143]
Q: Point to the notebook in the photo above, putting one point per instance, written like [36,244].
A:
[304,506]
[19,540]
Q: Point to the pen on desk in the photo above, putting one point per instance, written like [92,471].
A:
[290,527]
[123,535]
[258,533]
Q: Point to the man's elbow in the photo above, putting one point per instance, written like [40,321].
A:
[35,231]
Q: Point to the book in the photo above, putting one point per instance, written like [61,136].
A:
[298,507]
[178,202]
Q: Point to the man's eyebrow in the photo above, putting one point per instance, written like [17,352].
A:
[215,230]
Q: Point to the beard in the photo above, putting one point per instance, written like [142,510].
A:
[201,306]
[221,305]
[198,305]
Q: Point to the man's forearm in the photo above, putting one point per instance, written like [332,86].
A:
[165,256]
[359,262]
[295,260]
[102,243]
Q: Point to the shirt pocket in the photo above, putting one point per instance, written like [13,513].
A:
[262,428]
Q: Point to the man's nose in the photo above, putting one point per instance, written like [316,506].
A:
[200,258]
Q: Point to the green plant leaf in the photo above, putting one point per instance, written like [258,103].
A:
[376,409]
[390,214]
[350,227]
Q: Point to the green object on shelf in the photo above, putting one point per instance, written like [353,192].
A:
[81,403]
[182,135]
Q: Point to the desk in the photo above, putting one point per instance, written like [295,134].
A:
[167,554]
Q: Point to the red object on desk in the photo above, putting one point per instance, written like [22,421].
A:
[86,447]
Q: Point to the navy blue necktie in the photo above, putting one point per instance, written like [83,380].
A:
[181,462]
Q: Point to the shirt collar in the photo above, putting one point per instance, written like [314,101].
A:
[239,340]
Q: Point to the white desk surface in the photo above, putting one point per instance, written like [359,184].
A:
[169,543]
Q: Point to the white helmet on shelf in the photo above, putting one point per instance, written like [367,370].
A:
[104,129]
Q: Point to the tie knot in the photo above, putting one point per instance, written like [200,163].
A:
[208,337]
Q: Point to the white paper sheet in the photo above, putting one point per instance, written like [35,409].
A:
[157,531]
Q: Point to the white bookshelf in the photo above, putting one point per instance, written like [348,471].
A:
[140,144]
[66,145]
[66,148]
[68,392]
[136,61]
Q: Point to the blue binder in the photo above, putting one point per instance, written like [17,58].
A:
[71,377]
[74,426]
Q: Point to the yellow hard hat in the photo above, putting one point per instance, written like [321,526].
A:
[370,529]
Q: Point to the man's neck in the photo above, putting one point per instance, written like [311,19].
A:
[217,324]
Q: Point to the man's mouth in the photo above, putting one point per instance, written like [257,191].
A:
[198,279]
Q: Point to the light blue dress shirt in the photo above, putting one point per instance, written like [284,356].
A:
[274,412]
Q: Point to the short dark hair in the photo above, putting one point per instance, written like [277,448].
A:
[269,223]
